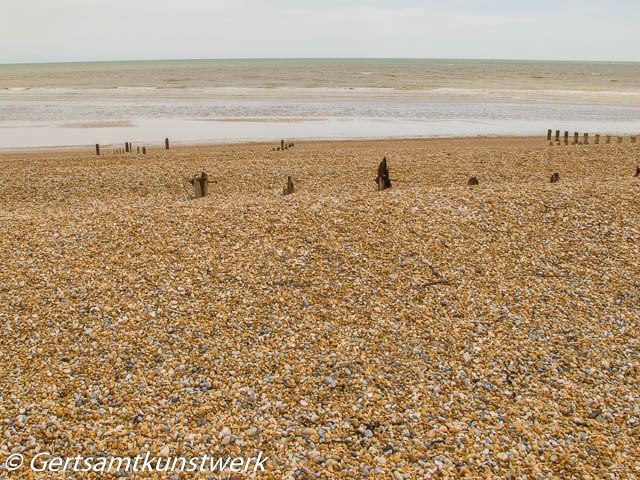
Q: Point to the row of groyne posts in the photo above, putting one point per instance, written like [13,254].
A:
[128,148]
[585,138]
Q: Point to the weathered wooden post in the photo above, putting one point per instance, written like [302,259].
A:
[549,134]
[566,137]
[597,142]
[557,135]
[138,149]
[281,144]
[637,172]
[204,184]
[586,139]
[200,185]
[126,147]
[633,139]
[288,190]
[97,149]
[144,150]
[383,179]
[576,137]
[554,178]
[619,139]
[166,144]
[473,181]
[608,139]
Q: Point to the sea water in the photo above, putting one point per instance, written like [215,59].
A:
[214,101]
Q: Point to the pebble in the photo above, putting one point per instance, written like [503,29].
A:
[227,439]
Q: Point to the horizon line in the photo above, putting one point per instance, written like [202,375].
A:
[63,62]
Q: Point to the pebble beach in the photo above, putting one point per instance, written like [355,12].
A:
[431,330]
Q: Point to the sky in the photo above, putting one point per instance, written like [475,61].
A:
[87,30]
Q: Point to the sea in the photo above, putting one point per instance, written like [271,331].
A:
[246,100]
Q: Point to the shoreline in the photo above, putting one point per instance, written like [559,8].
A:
[108,149]
[154,147]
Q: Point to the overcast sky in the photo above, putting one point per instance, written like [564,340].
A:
[69,30]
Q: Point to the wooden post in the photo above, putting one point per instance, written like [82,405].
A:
[586,139]
[281,144]
[473,181]
[138,149]
[166,144]
[554,178]
[608,139]
[126,147]
[619,139]
[557,135]
[288,190]
[200,185]
[97,149]
[549,134]
[566,137]
[576,137]
[597,139]
[204,184]
[383,179]
[144,150]
[633,139]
